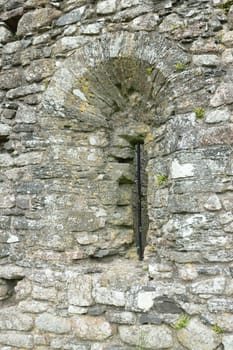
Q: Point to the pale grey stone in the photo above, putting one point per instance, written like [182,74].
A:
[213,203]
[220,304]
[206,60]
[106,7]
[223,95]
[26,114]
[89,328]
[11,319]
[124,317]
[71,17]
[41,293]
[11,271]
[5,35]
[225,321]
[108,296]
[50,323]
[25,90]
[28,158]
[209,286]
[147,336]
[4,129]
[227,56]
[17,340]
[217,116]
[198,336]
[227,341]
[170,22]
[33,306]
[33,20]
[145,22]
[39,70]
[12,47]
[92,28]
[80,290]
[181,170]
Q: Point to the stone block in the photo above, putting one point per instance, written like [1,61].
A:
[106,7]
[227,341]
[217,116]
[12,319]
[198,336]
[39,70]
[5,35]
[147,336]
[92,328]
[13,339]
[108,296]
[80,290]
[209,286]
[33,20]
[54,324]
[124,317]
[206,60]
[10,79]
[73,16]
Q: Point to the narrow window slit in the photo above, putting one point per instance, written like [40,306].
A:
[140,199]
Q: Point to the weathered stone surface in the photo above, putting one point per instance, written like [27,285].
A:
[146,336]
[25,90]
[106,7]
[5,35]
[223,95]
[109,296]
[181,170]
[71,17]
[206,60]
[10,319]
[145,22]
[91,328]
[80,290]
[36,19]
[227,38]
[10,79]
[198,336]
[209,286]
[39,70]
[217,116]
[227,341]
[124,317]
[50,323]
[17,340]
[213,203]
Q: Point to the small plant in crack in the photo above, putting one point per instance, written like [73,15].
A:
[199,112]
[180,66]
[217,329]
[181,322]
[161,178]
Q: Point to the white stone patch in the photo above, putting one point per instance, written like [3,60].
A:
[79,94]
[13,239]
[206,60]
[145,300]
[227,341]
[181,170]
[109,296]
[217,116]
[213,203]
[106,7]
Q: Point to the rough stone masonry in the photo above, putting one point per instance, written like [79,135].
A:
[81,82]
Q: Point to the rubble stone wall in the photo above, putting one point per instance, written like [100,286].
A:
[81,82]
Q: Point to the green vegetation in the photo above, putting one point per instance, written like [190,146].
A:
[199,112]
[217,329]
[180,66]
[149,71]
[226,7]
[182,322]
[161,178]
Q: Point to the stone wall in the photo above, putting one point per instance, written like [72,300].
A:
[81,82]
